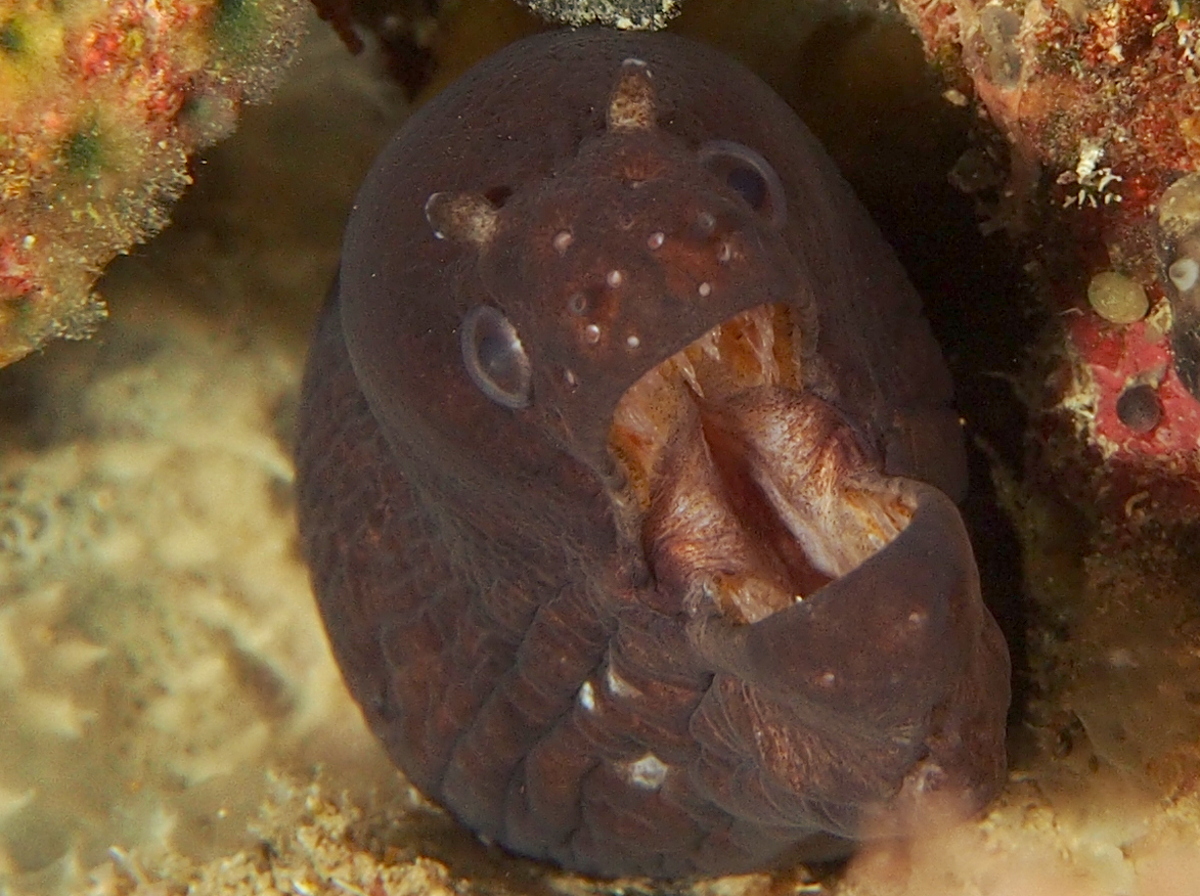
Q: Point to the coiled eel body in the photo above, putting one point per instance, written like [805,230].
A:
[624,462]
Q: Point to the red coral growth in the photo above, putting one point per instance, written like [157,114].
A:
[16,268]
[1052,73]
[1116,358]
[1104,101]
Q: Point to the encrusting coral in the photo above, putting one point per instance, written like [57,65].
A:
[1097,104]
[101,103]
[1092,167]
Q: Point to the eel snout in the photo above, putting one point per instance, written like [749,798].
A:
[883,642]
[884,692]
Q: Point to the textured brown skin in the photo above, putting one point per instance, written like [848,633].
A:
[471,566]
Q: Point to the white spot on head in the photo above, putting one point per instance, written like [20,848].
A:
[562,241]
[570,378]
[1184,273]
[917,618]
[587,696]
[724,253]
[826,679]
[656,239]
[704,289]
[614,278]
[633,341]
[649,772]
[591,334]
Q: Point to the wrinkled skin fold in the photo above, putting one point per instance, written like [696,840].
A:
[625,470]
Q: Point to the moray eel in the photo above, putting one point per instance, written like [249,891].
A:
[624,461]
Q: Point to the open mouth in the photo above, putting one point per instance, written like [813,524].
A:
[754,492]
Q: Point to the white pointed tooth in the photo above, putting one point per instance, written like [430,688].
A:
[684,365]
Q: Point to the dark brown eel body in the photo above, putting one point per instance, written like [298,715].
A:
[731,622]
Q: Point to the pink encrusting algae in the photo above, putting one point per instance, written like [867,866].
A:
[101,105]
[1100,107]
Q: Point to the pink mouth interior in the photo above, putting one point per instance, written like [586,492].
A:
[753,493]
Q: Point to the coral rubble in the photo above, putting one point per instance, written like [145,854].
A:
[623,14]
[101,105]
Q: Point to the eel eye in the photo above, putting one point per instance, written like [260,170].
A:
[749,175]
[495,359]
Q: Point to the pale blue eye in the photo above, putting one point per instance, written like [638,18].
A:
[495,359]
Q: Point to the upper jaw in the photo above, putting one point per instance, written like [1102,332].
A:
[745,490]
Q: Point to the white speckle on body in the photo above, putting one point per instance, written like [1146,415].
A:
[649,772]
[618,686]
[587,696]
